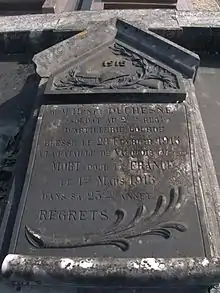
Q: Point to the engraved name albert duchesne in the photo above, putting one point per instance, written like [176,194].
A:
[140,150]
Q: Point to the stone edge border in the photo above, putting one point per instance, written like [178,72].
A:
[148,272]
[79,20]
[30,34]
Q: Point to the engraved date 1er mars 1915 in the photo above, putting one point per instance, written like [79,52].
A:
[156,222]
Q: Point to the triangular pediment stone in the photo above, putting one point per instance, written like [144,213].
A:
[61,54]
[116,55]
[116,66]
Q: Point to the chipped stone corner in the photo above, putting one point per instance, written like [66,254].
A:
[10,258]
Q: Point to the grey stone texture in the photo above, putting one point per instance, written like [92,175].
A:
[59,55]
[157,19]
[77,21]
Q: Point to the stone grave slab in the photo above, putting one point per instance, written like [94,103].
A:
[110,180]
[117,180]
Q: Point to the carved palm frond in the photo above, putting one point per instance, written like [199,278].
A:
[156,223]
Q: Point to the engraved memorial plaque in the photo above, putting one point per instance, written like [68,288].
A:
[120,187]
[110,180]
[121,69]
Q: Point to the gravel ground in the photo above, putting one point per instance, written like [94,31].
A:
[208,5]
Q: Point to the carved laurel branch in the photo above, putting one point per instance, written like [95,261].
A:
[145,70]
[156,223]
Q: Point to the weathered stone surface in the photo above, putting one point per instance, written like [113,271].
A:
[38,22]
[207,90]
[114,182]
[34,268]
[77,21]
[198,19]
[60,55]
[190,271]
[50,60]
[153,273]
[118,68]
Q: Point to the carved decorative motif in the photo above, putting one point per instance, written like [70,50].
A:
[146,74]
[156,223]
